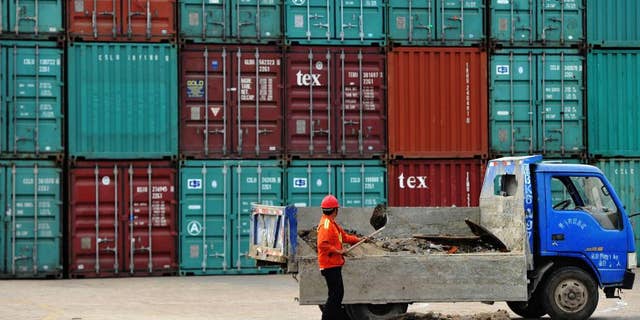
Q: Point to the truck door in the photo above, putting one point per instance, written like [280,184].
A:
[585,221]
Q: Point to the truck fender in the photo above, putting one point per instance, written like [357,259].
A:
[539,275]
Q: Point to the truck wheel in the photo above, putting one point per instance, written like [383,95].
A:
[570,294]
[375,311]
[528,309]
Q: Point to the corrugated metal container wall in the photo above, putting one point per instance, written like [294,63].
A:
[613,23]
[556,22]
[33,17]
[434,22]
[31,232]
[122,219]
[437,102]
[334,22]
[536,102]
[355,183]
[435,182]
[215,213]
[335,102]
[123,102]
[613,92]
[231,101]
[122,20]
[4,19]
[237,21]
[31,106]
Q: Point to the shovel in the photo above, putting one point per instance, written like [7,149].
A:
[378,221]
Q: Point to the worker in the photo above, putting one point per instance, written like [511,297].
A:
[330,256]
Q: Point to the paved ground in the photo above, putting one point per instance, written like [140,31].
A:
[213,297]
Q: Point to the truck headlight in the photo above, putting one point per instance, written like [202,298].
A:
[632,260]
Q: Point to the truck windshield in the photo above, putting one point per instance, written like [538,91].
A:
[588,194]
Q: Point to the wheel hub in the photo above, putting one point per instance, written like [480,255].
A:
[571,295]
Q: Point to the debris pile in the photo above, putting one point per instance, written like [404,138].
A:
[498,315]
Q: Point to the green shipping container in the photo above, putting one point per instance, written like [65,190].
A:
[123,100]
[613,92]
[536,102]
[31,96]
[613,23]
[33,17]
[4,18]
[215,213]
[236,21]
[31,229]
[356,183]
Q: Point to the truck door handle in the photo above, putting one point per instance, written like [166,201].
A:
[557,237]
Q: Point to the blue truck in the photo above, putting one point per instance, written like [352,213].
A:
[562,232]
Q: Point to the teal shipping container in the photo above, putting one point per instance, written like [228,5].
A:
[31,229]
[123,100]
[536,102]
[613,92]
[334,22]
[235,21]
[525,23]
[31,18]
[356,183]
[613,23]
[436,22]
[215,213]
[31,97]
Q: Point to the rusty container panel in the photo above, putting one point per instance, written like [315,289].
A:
[239,115]
[335,102]
[437,102]
[122,20]
[122,219]
[435,182]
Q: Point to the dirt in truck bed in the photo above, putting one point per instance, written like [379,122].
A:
[498,315]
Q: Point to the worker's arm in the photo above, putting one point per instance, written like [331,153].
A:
[349,238]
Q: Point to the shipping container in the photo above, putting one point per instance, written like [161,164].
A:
[435,182]
[356,183]
[437,102]
[334,22]
[613,92]
[335,102]
[231,102]
[550,23]
[613,23]
[536,102]
[31,19]
[122,219]
[122,20]
[31,98]
[31,231]
[123,100]
[236,21]
[215,213]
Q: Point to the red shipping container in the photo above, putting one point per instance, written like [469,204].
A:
[122,20]
[437,103]
[335,102]
[239,115]
[122,219]
[435,182]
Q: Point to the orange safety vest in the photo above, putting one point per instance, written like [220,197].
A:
[330,239]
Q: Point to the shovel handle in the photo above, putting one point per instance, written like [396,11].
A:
[364,239]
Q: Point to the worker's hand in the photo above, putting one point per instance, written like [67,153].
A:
[346,253]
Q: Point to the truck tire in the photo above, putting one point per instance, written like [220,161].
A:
[570,293]
[375,311]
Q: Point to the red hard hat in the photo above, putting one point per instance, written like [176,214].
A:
[329,202]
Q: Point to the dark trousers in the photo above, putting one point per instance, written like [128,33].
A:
[333,307]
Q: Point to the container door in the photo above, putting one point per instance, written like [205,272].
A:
[256,20]
[143,20]
[95,219]
[358,21]
[257,112]
[253,182]
[361,183]
[309,20]
[561,111]
[309,182]
[309,85]
[5,208]
[513,104]
[512,22]
[411,23]
[150,231]
[4,70]
[4,19]
[94,19]
[35,93]
[205,20]
[35,16]
[205,90]
[461,21]
[560,21]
